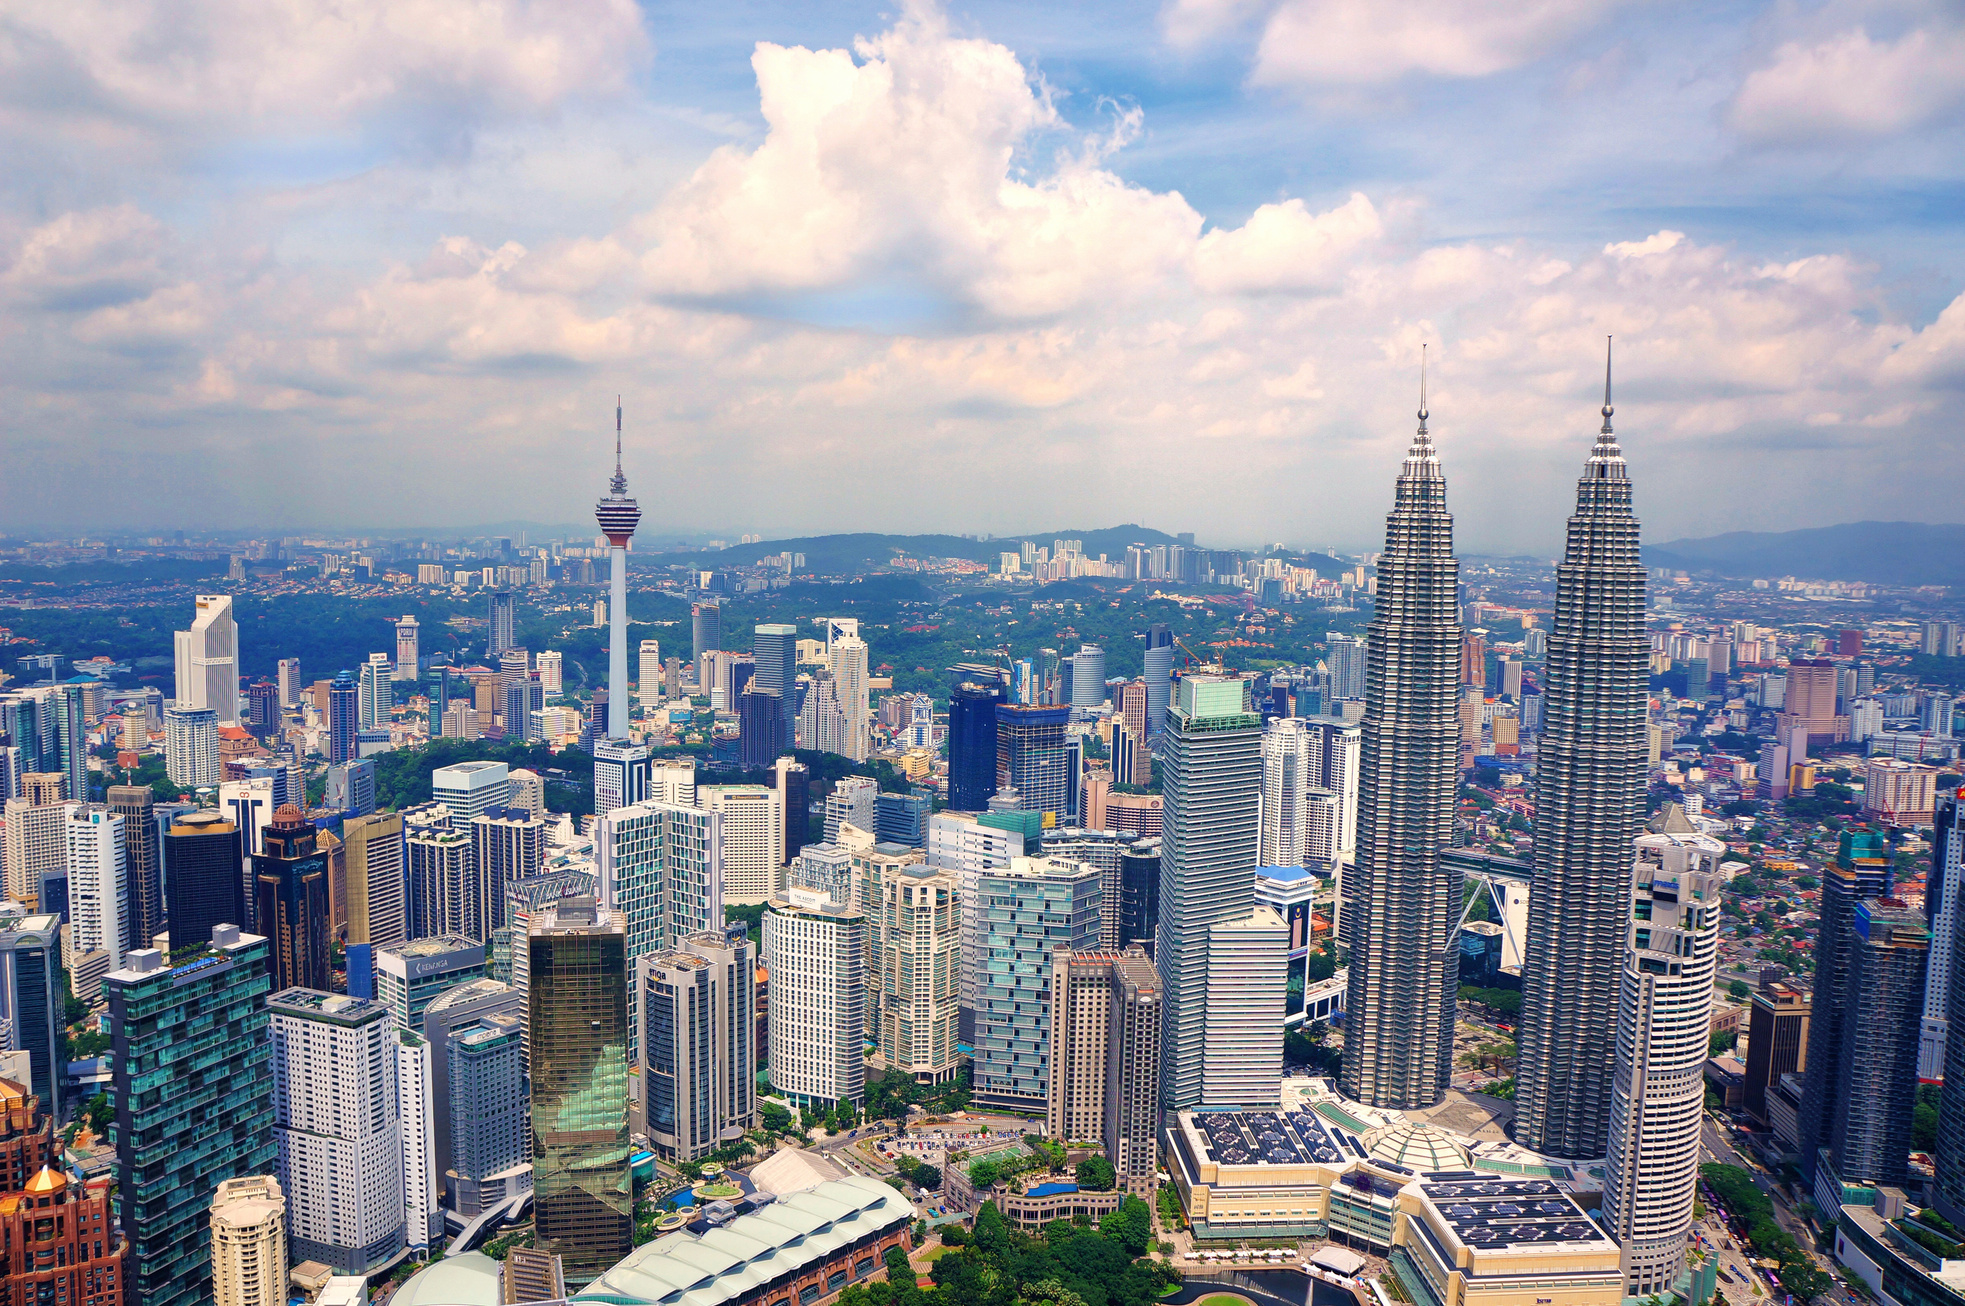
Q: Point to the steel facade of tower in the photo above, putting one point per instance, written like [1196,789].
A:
[1403,904]
[1589,804]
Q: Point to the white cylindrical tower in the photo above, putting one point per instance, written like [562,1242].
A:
[1663,1029]
[618,516]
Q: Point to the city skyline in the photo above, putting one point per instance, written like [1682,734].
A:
[1272,238]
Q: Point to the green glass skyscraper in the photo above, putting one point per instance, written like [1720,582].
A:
[1589,805]
[192,1090]
[1401,903]
[577,1032]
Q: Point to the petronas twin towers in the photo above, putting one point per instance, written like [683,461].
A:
[1404,907]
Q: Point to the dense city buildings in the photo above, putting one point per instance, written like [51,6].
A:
[1589,803]
[1403,903]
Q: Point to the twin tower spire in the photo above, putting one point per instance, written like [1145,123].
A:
[1402,908]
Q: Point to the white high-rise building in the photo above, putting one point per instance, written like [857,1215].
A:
[249,1243]
[753,831]
[648,681]
[335,1103]
[853,801]
[672,780]
[1242,1058]
[375,699]
[958,842]
[423,1219]
[35,847]
[1286,769]
[620,774]
[469,788]
[98,896]
[552,672]
[817,1016]
[1664,1014]
[408,656]
[191,746]
[250,805]
[290,685]
[208,660]
[848,658]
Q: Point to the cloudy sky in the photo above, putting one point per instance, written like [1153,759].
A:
[993,266]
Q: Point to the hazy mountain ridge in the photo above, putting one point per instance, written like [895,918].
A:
[1898,553]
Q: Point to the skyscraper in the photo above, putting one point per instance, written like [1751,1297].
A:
[1944,908]
[774,648]
[343,716]
[1861,870]
[1105,1058]
[477,1082]
[760,728]
[249,1243]
[33,1000]
[848,661]
[1030,756]
[408,655]
[499,624]
[208,660]
[98,896]
[290,901]
[202,854]
[817,1013]
[1663,1025]
[705,630]
[335,1120]
[1589,803]
[1403,904]
[372,848]
[648,673]
[577,1033]
[794,785]
[1212,773]
[1868,1138]
[699,1075]
[751,835]
[191,746]
[920,976]
[192,1089]
[1087,680]
[289,682]
[1026,911]
[1158,662]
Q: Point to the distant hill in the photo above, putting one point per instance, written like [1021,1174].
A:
[1881,552]
[847,554]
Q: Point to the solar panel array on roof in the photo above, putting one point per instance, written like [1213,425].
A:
[1496,1213]
[1267,1138]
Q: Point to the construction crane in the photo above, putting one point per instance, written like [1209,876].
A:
[1217,666]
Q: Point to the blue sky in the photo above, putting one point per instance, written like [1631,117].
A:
[983,267]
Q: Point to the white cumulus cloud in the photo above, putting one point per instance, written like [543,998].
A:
[1851,85]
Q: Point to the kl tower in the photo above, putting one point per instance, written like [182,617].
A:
[620,767]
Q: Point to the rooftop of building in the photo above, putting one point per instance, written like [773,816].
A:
[336,1007]
[1283,873]
[729,1262]
[437,945]
[140,964]
[1496,1214]
[468,1279]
